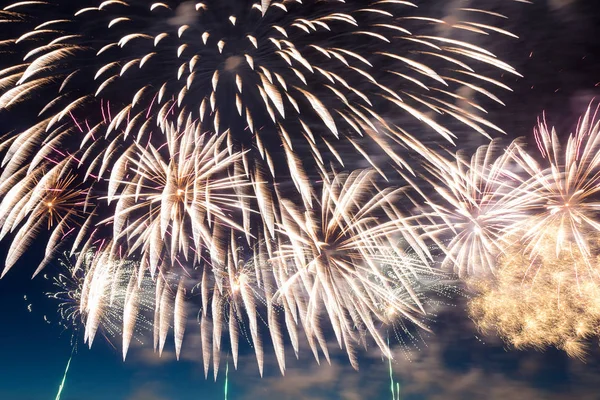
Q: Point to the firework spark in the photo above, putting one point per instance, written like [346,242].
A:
[100,293]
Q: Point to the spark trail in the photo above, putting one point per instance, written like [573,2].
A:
[62,383]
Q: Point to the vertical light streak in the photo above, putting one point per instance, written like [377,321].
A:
[62,383]
[226,379]
[396,393]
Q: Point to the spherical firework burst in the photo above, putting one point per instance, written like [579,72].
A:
[335,259]
[476,200]
[175,195]
[552,300]
[562,190]
[282,76]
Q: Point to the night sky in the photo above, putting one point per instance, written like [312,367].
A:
[558,53]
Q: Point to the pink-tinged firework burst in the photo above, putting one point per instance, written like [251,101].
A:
[562,189]
[546,291]
[41,197]
[160,202]
[475,200]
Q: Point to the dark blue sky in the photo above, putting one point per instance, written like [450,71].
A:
[559,54]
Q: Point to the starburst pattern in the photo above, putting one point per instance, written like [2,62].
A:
[475,200]
[335,258]
[177,196]
[562,189]
[41,198]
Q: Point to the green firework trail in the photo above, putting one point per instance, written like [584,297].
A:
[396,392]
[226,379]
[62,384]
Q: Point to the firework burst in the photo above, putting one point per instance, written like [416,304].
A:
[476,201]
[41,198]
[562,190]
[162,202]
[291,74]
[336,259]
[176,198]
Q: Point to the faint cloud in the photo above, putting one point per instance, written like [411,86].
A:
[558,5]
[147,355]
[150,391]
[455,365]
[185,14]
[191,349]
[315,382]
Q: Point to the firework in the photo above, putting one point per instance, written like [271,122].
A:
[476,200]
[562,189]
[551,300]
[433,289]
[100,293]
[41,198]
[279,75]
[345,263]
[161,202]
[233,294]
[162,118]
[62,383]
[175,197]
